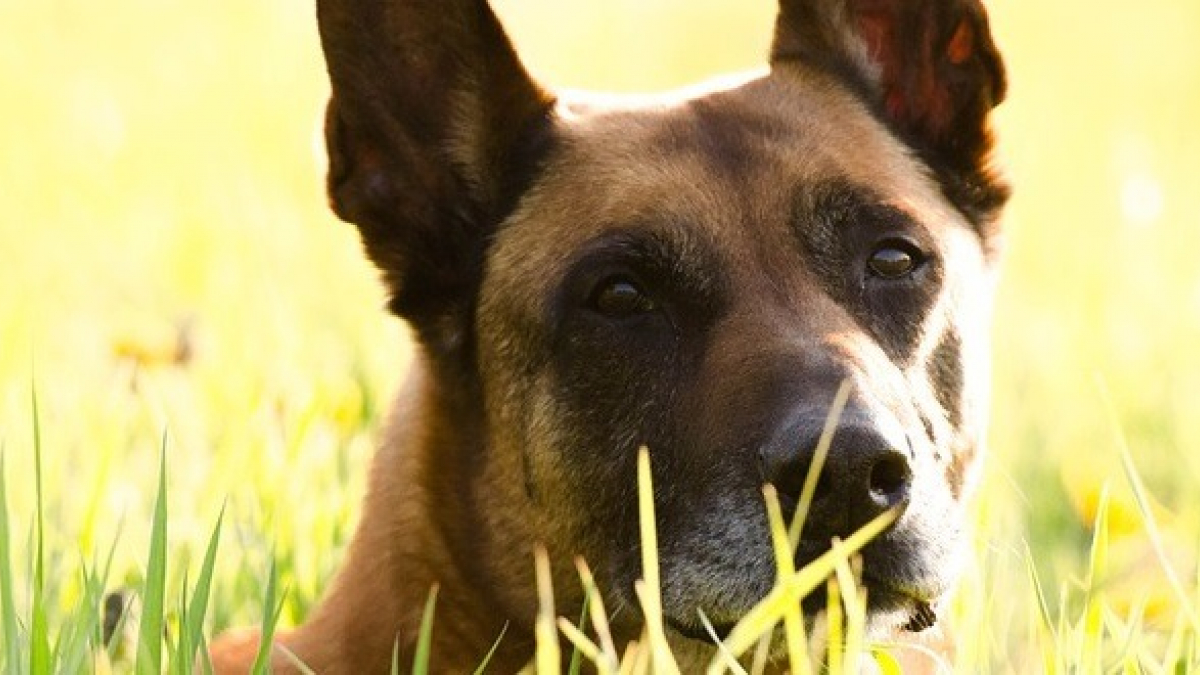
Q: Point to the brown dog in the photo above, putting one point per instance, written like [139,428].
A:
[696,275]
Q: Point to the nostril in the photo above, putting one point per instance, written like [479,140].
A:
[789,484]
[890,479]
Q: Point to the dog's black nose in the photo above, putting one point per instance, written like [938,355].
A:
[865,473]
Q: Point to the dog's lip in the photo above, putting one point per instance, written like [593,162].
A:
[887,571]
[912,592]
[883,596]
[912,606]
[697,631]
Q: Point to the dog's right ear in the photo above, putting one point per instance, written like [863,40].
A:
[433,130]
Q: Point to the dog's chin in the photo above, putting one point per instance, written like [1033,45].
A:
[889,611]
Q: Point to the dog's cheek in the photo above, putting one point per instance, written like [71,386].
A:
[567,472]
[562,433]
[946,373]
[959,366]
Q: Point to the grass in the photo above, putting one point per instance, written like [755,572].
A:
[171,265]
[1097,640]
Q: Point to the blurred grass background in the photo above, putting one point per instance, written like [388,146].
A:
[167,262]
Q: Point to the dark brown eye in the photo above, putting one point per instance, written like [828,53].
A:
[620,297]
[894,260]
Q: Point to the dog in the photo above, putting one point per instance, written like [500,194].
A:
[696,274]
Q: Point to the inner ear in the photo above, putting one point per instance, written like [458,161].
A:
[939,70]
[929,68]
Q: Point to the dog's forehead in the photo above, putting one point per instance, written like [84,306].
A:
[807,121]
[714,165]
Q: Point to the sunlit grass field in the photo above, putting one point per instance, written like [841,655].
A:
[170,277]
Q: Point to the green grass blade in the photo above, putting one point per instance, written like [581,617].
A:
[854,600]
[39,630]
[115,646]
[727,659]
[584,647]
[1130,634]
[112,647]
[8,606]
[886,663]
[1173,659]
[1155,535]
[650,591]
[576,657]
[793,618]
[835,642]
[491,652]
[547,656]
[193,629]
[611,661]
[762,654]
[203,663]
[1093,616]
[273,607]
[300,666]
[176,646]
[818,462]
[79,631]
[425,635]
[150,629]
[1050,659]
[1149,522]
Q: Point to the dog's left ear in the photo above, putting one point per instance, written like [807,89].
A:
[930,70]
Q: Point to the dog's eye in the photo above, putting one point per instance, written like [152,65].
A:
[620,297]
[895,260]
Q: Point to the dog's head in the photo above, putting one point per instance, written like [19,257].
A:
[697,275]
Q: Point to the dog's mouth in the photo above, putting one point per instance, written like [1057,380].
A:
[910,611]
[697,631]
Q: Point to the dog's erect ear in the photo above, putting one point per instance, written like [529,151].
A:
[433,130]
[928,67]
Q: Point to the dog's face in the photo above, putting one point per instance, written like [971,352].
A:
[697,275]
[699,278]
